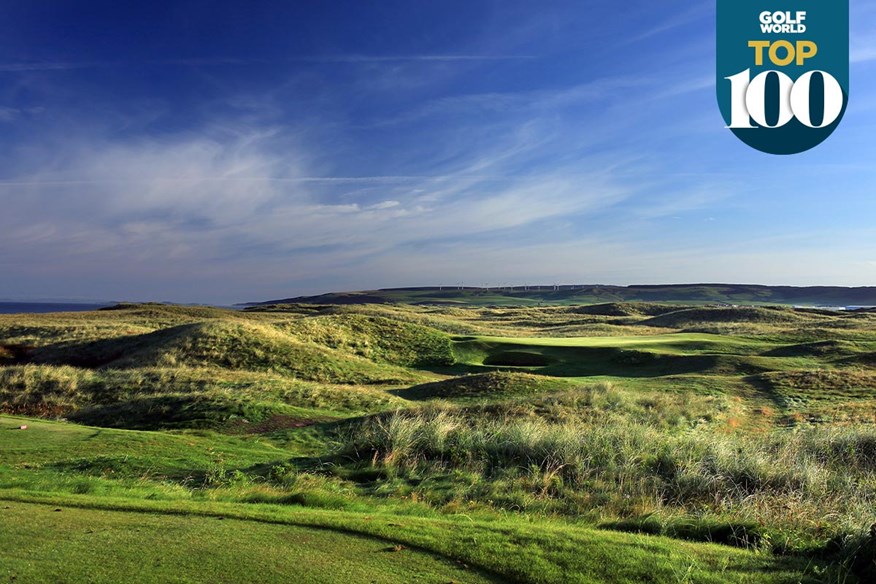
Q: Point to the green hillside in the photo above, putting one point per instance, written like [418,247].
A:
[601,294]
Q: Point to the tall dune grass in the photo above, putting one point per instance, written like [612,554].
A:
[816,481]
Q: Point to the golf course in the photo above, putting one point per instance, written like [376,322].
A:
[439,442]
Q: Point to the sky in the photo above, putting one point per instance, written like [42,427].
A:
[220,152]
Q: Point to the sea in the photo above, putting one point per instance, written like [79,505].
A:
[45,307]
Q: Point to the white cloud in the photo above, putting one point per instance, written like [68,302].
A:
[8,114]
[201,207]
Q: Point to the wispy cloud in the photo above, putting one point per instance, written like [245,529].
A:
[696,13]
[27,66]
[396,58]
[7,114]
[420,180]
[862,52]
[196,200]
[24,67]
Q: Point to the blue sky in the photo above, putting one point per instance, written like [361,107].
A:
[233,151]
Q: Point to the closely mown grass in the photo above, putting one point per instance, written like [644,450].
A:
[117,546]
[513,549]
[127,453]
[627,356]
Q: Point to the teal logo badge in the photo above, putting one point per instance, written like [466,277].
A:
[783,71]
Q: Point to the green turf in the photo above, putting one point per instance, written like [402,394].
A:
[44,543]
[512,550]
[126,453]
[621,356]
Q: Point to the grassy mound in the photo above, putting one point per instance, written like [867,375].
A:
[693,317]
[40,330]
[175,398]
[158,310]
[628,309]
[446,319]
[605,403]
[227,345]
[821,384]
[867,359]
[165,412]
[494,384]
[379,339]
[829,349]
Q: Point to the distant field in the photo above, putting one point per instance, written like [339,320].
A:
[599,294]
[615,442]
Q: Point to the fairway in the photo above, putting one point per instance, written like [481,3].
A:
[671,343]
[113,546]
[646,355]
[47,443]
[506,551]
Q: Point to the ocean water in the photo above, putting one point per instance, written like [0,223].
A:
[44,307]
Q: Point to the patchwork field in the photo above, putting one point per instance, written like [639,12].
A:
[618,442]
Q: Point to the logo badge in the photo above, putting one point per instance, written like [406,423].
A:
[783,71]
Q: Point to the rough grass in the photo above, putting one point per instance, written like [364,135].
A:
[809,394]
[832,349]
[624,309]
[793,487]
[605,403]
[377,338]
[485,385]
[229,345]
[94,465]
[176,397]
[697,317]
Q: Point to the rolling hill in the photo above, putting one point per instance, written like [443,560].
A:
[834,296]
